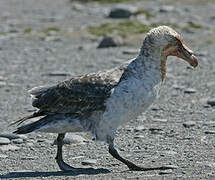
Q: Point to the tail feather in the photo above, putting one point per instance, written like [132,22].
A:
[20,121]
[32,126]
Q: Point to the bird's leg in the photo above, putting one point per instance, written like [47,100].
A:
[59,158]
[131,166]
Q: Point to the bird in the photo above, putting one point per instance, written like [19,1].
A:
[100,102]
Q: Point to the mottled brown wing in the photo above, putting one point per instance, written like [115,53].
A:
[82,94]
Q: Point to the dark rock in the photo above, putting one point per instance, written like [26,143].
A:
[211,101]
[110,42]
[189,124]
[119,13]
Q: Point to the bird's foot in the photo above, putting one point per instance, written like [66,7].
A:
[133,167]
[66,167]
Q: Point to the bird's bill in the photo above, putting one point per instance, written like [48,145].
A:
[186,54]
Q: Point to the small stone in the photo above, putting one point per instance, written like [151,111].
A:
[29,144]
[17,141]
[56,74]
[4,141]
[166,8]
[170,167]
[2,84]
[190,91]
[155,108]
[139,128]
[155,130]
[9,135]
[211,101]
[1,77]
[110,42]
[189,124]
[178,87]
[168,171]
[209,132]
[9,147]
[89,162]
[139,137]
[3,156]
[24,137]
[130,51]
[211,84]
[209,123]
[160,120]
[119,13]
[170,153]
[52,38]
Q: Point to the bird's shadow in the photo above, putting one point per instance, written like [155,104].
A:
[30,174]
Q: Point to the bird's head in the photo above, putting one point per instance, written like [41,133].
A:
[162,42]
[169,43]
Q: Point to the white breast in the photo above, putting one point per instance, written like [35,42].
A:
[128,100]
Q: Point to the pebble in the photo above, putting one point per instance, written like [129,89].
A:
[189,124]
[155,130]
[190,91]
[130,51]
[4,141]
[159,120]
[3,156]
[168,171]
[9,147]
[17,141]
[209,123]
[139,128]
[170,167]
[210,84]
[139,137]
[72,139]
[1,77]
[120,13]
[170,153]
[56,74]
[211,101]
[209,132]
[110,42]
[2,84]
[9,135]
[29,144]
[89,162]
[166,8]
[178,87]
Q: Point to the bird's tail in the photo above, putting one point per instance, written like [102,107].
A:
[20,121]
[33,126]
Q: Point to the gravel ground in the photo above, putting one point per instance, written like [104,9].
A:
[177,130]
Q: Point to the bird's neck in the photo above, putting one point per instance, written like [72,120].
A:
[153,57]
